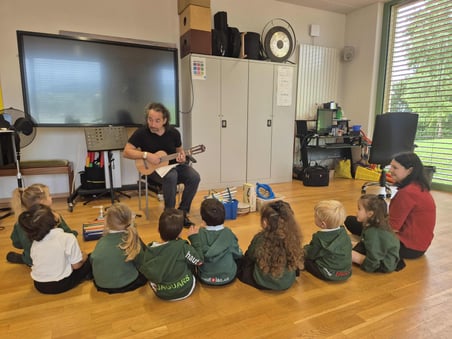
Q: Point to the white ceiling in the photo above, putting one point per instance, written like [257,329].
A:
[337,6]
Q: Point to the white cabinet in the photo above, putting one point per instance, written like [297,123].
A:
[231,106]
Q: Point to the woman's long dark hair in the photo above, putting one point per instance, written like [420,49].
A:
[417,175]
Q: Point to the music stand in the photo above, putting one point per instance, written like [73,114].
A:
[107,139]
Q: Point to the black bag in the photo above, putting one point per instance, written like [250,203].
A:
[93,178]
[316,175]
[253,46]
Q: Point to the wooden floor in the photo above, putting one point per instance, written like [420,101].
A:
[413,303]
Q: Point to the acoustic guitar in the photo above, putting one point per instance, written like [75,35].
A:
[146,168]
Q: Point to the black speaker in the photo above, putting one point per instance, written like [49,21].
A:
[220,21]
[302,128]
[252,45]
[219,42]
[7,155]
[233,42]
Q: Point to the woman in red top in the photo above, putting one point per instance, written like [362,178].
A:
[412,211]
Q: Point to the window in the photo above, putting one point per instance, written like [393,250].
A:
[417,76]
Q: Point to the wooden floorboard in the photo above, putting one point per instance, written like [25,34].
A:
[413,303]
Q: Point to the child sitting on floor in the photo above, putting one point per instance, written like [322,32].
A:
[378,249]
[169,265]
[58,262]
[274,256]
[22,200]
[219,246]
[328,255]
[113,259]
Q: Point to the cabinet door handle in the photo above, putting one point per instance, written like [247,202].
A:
[269,123]
[224,123]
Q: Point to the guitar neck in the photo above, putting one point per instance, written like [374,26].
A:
[168,157]
[174,155]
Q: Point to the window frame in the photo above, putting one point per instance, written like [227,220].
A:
[387,21]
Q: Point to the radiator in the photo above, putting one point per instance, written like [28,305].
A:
[318,78]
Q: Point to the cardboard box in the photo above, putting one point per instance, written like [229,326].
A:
[182,4]
[195,17]
[195,41]
[261,202]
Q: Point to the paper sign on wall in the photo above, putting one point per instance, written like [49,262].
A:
[284,86]
[198,68]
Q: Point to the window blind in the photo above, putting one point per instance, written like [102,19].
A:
[418,78]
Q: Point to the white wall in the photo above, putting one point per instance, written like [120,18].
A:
[363,32]
[154,20]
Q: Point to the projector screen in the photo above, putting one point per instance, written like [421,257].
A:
[71,81]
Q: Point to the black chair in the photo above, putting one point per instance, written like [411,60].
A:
[394,132]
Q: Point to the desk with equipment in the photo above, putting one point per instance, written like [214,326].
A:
[326,138]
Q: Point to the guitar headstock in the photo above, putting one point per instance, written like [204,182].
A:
[197,149]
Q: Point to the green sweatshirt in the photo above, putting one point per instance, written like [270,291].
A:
[331,251]
[108,255]
[382,250]
[169,267]
[21,241]
[266,280]
[220,249]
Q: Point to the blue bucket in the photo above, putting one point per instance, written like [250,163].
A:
[230,208]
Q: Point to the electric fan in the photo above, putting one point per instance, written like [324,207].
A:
[278,40]
[21,123]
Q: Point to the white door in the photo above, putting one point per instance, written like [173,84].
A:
[233,120]
[260,121]
[283,123]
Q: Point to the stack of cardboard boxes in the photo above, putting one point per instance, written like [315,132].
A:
[195,25]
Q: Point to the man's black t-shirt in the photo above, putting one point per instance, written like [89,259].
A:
[147,141]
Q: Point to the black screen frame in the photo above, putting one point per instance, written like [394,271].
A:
[129,112]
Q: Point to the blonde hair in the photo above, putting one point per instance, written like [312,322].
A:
[119,218]
[25,198]
[331,212]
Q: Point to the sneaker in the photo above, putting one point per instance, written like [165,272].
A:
[187,222]
[14,258]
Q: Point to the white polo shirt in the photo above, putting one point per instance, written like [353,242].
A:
[53,256]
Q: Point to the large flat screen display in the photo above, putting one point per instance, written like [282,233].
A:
[71,81]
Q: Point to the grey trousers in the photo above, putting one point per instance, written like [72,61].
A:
[184,174]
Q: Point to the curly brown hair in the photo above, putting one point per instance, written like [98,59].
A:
[281,245]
